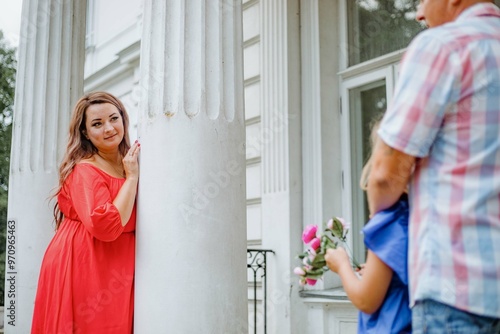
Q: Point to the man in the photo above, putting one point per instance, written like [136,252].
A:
[441,134]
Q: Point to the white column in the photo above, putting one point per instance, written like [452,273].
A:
[191,274]
[281,160]
[322,172]
[49,81]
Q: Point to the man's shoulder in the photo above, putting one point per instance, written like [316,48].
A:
[476,24]
[433,41]
[451,36]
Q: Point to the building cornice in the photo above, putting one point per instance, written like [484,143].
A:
[126,59]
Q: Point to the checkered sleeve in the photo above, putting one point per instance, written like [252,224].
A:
[424,94]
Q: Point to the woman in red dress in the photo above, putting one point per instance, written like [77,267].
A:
[86,282]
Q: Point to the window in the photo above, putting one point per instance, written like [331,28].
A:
[371,102]
[378,27]
[365,98]
[376,34]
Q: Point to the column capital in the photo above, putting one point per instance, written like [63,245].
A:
[191,59]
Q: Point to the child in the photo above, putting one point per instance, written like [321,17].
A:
[381,292]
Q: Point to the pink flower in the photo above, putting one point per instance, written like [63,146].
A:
[302,282]
[345,225]
[299,271]
[309,233]
[315,243]
[311,281]
[330,224]
[310,261]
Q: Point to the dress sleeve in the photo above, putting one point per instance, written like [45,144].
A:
[93,203]
[386,235]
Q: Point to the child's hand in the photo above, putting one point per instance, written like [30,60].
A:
[362,270]
[336,258]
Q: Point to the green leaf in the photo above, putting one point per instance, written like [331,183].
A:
[314,272]
[319,261]
[303,255]
[337,228]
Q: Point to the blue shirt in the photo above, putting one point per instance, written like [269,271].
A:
[386,235]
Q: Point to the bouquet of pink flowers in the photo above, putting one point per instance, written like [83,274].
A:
[313,259]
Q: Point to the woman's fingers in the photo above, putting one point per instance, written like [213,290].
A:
[134,150]
[130,160]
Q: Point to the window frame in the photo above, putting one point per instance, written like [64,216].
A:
[352,162]
[385,67]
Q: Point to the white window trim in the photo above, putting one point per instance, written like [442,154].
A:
[348,163]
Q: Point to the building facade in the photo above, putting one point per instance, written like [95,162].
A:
[315,74]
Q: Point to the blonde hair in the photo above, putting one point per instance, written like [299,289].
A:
[79,147]
[365,172]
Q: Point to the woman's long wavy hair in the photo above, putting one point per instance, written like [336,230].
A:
[79,147]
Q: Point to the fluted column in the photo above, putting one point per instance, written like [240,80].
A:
[49,81]
[191,234]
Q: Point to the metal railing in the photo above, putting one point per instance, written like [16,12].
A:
[256,260]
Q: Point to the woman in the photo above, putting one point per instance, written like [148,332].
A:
[87,274]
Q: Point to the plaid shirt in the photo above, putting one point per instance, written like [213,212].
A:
[446,111]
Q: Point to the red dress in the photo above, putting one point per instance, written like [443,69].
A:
[86,282]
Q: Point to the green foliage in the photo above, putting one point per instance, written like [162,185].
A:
[8,65]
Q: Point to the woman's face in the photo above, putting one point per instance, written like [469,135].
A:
[104,126]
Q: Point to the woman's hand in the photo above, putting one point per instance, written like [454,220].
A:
[125,199]
[336,259]
[131,163]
